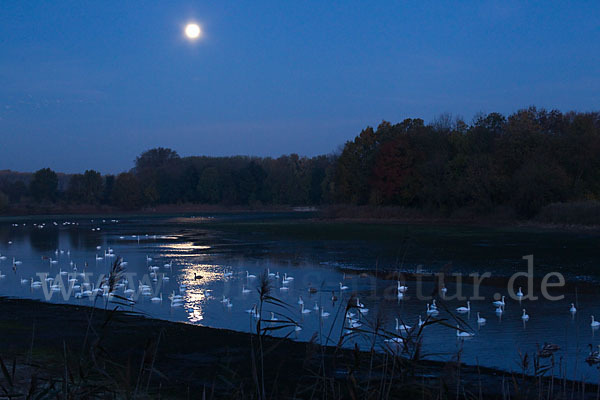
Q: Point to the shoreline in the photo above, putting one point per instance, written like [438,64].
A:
[327,214]
[192,359]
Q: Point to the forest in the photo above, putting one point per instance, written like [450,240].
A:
[522,163]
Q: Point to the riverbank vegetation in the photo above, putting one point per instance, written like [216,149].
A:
[531,164]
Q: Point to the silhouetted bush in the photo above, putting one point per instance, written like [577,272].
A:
[580,213]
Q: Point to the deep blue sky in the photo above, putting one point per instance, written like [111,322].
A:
[91,84]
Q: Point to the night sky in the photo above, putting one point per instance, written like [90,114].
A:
[91,84]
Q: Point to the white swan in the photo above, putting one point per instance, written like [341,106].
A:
[519,293]
[464,309]
[176,297]
[594,323]
[463,334]
[55,287]
[343,287]
[157,299]
[303,310]
[176,303]
[421,322]
[96,291]
[245,290]
[395,340]
[300,301]
[249,275]
[431,311]
[401,288]
[354,324]
[525,317]
[316,307]
[433,305]
[480,320]
[2,276]
[86,293]
[253,311]
[573,309]
[401,327]
[499,303]
[324,314]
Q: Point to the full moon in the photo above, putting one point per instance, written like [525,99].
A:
[192,31]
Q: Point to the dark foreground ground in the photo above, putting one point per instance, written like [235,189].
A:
[70,352]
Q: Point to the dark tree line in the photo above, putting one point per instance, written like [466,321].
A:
[523,162]
[160,177]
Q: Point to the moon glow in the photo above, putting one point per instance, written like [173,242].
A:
[192,31]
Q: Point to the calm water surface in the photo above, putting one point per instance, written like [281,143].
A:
[201,250]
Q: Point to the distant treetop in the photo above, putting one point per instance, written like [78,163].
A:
[155,158]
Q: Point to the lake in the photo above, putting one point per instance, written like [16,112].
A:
[215,256]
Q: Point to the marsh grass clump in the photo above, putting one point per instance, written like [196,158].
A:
[268,326]
[115,274]
[112,280]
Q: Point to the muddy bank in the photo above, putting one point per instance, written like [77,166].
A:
[165,209]
[546,221]
[353,214]
[83,351]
